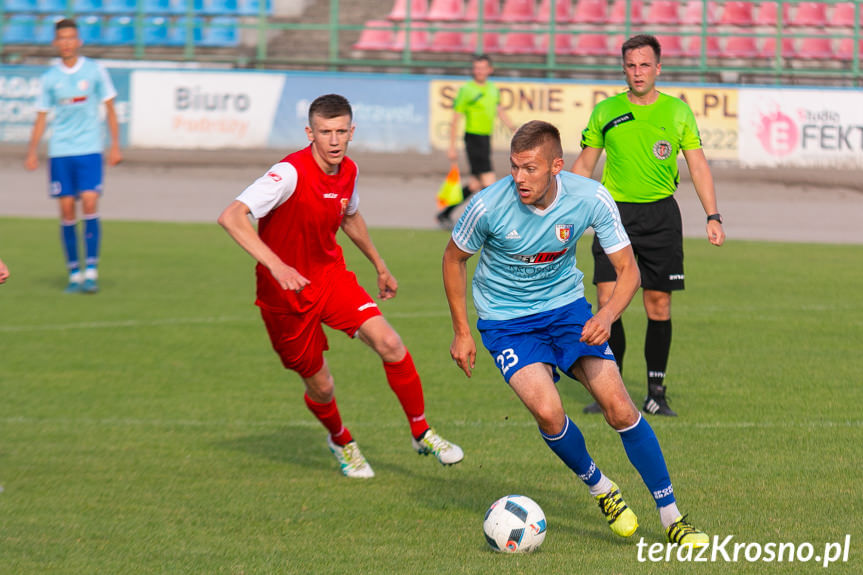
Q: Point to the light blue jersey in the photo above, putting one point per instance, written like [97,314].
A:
[527,264]
[76,94]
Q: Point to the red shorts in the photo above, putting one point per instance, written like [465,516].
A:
[299,339]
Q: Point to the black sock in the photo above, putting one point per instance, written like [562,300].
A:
[657,344]
[617,342]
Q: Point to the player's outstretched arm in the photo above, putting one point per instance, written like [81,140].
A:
[463,348]
[597,329]
[702,179]
[354,226]
[31,162]
[235,220]
[586,161]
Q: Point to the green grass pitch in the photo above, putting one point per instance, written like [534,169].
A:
[151,429]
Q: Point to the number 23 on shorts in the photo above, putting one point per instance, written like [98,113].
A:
[506,359]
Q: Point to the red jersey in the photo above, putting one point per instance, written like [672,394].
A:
[301,229]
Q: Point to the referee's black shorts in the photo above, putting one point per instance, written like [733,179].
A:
[656,232]
[478,149]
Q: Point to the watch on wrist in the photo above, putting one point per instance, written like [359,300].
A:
[715,217]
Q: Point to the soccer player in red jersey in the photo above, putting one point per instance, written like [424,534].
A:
[302,280]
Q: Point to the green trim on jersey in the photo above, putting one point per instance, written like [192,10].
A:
[479,106]
[641,145]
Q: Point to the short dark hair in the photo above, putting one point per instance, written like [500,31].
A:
[483,58]
[534,134]
[640,41]
[65,23]
[330,106]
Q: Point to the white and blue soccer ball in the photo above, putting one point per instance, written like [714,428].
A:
[514,524]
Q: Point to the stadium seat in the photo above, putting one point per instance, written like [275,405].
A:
[217,7]
[740,47]
[21,6]
[671,45]
[845,49]
[181,6]
[768,48]
[737,14]
[120,6]
[20,29]
[591,45]
[87,6]
[253,7]
[519,43]
[693,47]
[119,31]
[767,14]
[812,14]
[45,28]
[419,9]
[446,10]
[419,38]
[449,40]
[843,15]
[181,30]
[53,6]
[157,6]
[618,12]
[815,48]
[563,44]
[490,10]
[663,12]
[693,13]
[490,43]
[90,29]
[562,9]
[377,35]
[517,11]
[591,12]
[220,32]
[156,31]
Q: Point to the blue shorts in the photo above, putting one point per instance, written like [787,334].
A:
[550,337]
[71,175]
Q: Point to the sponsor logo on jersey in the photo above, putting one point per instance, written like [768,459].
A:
[331,196]
[75,100]
[662,149]
[513,235]
[276,177]
[628,117]
[540,258]
[673,277]
[563,232]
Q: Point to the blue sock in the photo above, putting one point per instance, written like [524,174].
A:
[69,235]
[643,450]
[92,237]
[570,447]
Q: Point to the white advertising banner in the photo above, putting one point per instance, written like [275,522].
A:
[788,127]
[203,110]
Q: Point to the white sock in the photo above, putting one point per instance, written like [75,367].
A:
[668,514]
[91,273]
[75,277]
[604,485]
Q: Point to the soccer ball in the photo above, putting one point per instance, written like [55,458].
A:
[514,524]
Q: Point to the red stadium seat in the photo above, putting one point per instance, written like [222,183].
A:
[693,47]
[740,47]
[591,12]
[419,39]
[737,14]
[517,11]
[490,42]
[490,10]
[767,14]
[563,45]
[692,13]
[592,45]
[843,15]
[618,12]
[419,9]
[663,12]
[380,38]
[671,45]
[446,10]
[768,48]
[446,40]
[519,43]
[817,48]
[563,10]
[845,49]
[810,14]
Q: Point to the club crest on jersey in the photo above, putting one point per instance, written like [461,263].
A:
[563,232]
[275,177]
[662,150]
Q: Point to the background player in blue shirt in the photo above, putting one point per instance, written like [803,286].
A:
[75,88]
[534,320]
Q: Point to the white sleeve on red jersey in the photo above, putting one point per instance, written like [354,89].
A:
[270,190]
[354,203]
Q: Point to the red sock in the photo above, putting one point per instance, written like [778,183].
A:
[328,414]
[405,382]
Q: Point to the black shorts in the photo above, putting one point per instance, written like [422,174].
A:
[656,232]
[478,148]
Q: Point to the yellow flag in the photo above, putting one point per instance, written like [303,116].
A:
[450,193]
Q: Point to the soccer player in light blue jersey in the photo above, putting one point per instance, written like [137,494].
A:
[534,320]
[75,88]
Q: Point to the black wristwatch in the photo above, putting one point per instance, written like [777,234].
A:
[715,217]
